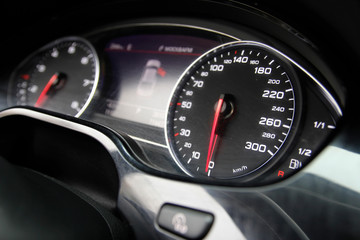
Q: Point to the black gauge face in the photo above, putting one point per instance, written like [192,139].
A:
[232,112]
[61,77]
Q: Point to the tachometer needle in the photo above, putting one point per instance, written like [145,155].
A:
[213,135]
[43,95]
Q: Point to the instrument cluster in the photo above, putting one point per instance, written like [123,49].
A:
[231,108]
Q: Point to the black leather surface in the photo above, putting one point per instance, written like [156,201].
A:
[33,206]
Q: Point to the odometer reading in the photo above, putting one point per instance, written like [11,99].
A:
[232,111]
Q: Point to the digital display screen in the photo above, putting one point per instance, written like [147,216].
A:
[144,70]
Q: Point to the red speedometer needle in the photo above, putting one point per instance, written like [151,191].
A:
[213,135]
[43,95]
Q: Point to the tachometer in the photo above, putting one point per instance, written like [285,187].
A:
[62,77]
[233,111]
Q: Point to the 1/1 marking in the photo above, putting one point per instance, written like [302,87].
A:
[319,125]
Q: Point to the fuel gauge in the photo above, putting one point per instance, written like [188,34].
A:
[62,77]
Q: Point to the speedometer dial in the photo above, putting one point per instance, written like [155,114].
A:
[62,77]
[233,111]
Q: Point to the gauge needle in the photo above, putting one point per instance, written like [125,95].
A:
[43,95]
[213,135]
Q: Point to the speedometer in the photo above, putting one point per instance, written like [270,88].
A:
[233,111]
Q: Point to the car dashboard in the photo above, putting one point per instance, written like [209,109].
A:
[214,119]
